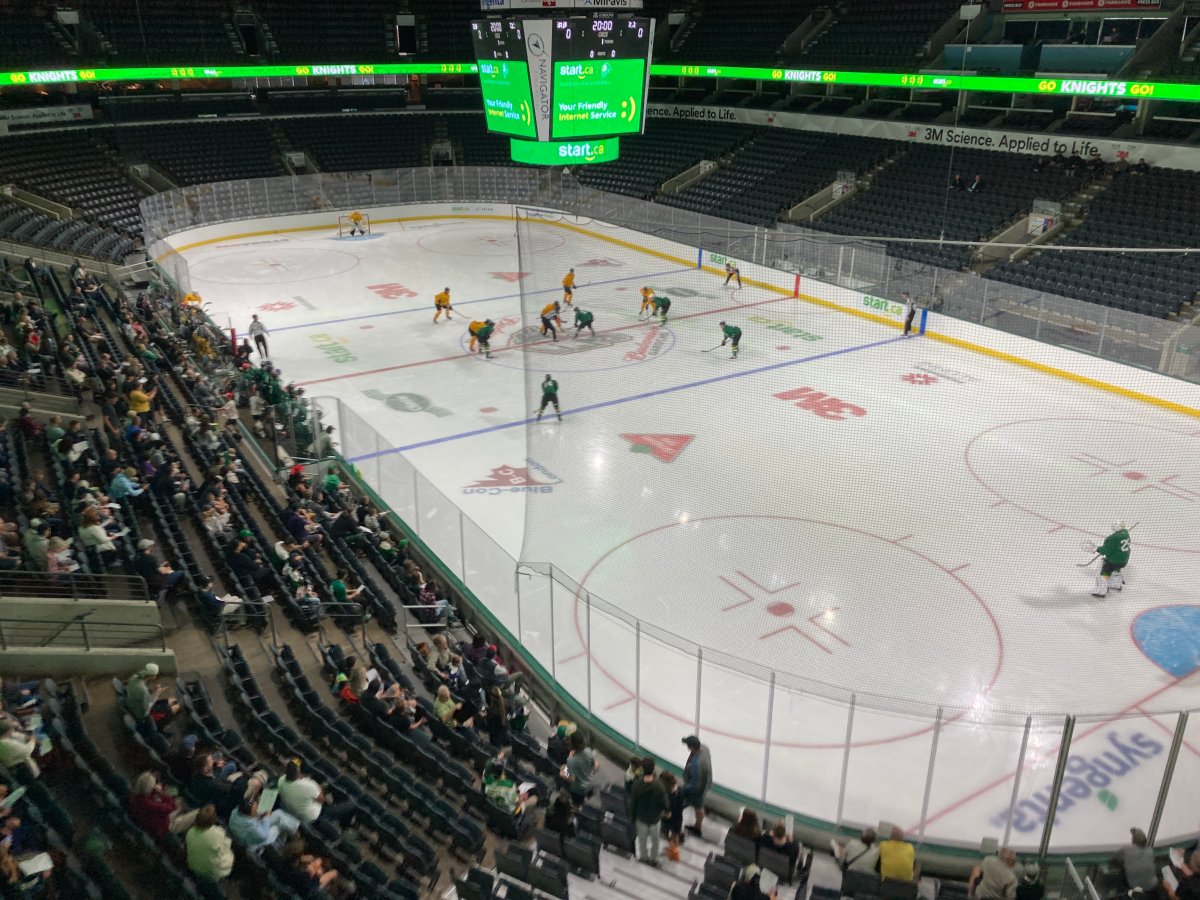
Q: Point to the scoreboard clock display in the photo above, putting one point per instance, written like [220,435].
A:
[504,77]
[601,72]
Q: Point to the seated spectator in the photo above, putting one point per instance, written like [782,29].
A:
[145,701]
[160,578]
[255,830]
[859,854]
[747,887]
[957,184]
[246,564]
[450,711]
[1141,167]
[218,608]
[154,810]
[351,680]
[780,841]
[209,848]
[580,770]
[491,671]
[14,882]
[37,544]
[1136,862]
[310,878]
[477,649]
[897,858]
[747,825]
[1031,886]
[558,747]
[993,878]
[503,792]
[124,484]
[976,185]
[439,657]
[341,592]
[304,799]
[456,675]
[17,748]
[218,782]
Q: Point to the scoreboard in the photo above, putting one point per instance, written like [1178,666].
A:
[568,78]
[601,73]
[504,77]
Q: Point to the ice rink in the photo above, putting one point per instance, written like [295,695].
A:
[856,512]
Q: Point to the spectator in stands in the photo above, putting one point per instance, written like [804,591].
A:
[957,184]
[1031,886]
[450,711]
[218,608]
[495,718]
[647,804]
[209,848]
[1188,878]
[14,882]
[255,830]
[145,701]
[1136,862]
[780,841]
[580,770]
[29,426]
[218,781]
[747,825]
[697,779]
[140,397]
[310,877]
[245,562]
[94,536]
[60,559]
[501,789]
[18,836]
[161,578]
[672,820]
[341,593]
[37,544]
[17,748]
[438,657]
[859,854]
[154,810]
[897,857]
[124,484]
[456,676]
[747,887]
[976,186]
[1141,167]
[307,801]
[491,670]
[478,647]
[993,878]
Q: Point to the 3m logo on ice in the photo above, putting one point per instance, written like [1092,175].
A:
[515,480]
[1086,776]
[665,447]
[817,403]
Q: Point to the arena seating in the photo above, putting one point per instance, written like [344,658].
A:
[28,40]
[1152,210]
[878,34]
[910,198]
[197,154]
[775,170]
[667,148]
[753,37]
[351,31]
[161,31]
[373,142]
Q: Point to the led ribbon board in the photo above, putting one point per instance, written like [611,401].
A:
[1084,87]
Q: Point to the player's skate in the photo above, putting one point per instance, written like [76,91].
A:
[1116,581]
[1101,589]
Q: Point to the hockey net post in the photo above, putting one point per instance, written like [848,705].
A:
[346,226]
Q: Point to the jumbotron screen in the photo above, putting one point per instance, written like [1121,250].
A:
[504,77]
[601,73]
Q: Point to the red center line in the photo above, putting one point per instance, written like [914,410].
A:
[426,362]
[1104,723]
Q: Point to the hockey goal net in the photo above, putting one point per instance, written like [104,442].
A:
[347,226]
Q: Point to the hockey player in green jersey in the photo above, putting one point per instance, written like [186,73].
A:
[1115,551]
[662,305]
[731,334]
[583,319]
[549,395]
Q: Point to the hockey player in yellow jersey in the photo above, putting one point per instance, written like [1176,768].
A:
[441,304]
[569,287]
[647,302]
[550,316]
[356,223]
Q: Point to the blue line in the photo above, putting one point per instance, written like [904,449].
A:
[397,312]
[699,257]
[643,396]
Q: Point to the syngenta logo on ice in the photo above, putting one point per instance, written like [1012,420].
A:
[1085,776]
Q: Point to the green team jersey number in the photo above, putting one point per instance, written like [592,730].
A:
[1115,548]
[549,387]
[731,331]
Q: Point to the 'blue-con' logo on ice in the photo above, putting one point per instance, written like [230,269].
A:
[515,480]
[1086,776]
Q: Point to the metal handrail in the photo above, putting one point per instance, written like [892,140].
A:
[74,586]
[102,635]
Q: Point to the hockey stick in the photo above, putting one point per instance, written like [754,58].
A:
[1088,546]
[711,349]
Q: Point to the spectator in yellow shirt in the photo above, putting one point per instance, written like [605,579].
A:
[140,398]
[897,858]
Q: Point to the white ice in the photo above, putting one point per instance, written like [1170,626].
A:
[915,544]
